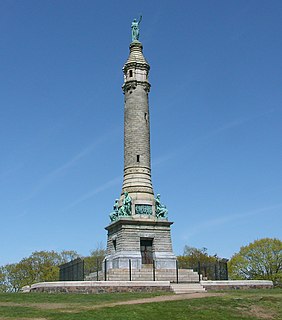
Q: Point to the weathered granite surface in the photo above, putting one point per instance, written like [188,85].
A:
[127,234]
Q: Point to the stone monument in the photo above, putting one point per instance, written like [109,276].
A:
[139,232]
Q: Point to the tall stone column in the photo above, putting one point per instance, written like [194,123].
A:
[137,156]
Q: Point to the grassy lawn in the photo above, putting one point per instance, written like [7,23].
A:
[252,304]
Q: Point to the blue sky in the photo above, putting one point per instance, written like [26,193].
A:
[215,104]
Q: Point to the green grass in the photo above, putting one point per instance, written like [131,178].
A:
[83,299]
[252,304]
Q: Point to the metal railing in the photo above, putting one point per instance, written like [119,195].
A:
[72,271]
[217,270]
[77,270]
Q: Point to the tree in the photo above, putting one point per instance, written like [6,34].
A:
[192,256]
[261,259]
[3,283]
[209,266]
[13,278]
[94,261]
[68,255]
[40,266]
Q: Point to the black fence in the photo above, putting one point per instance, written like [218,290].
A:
[217,270]
[79,270]
[93,266]
[72,271]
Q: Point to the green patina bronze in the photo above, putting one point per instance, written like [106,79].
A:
[135,29]
[161,210]
[114,214]
[125,209]
[143,209]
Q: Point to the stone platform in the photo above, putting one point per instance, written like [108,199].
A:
[96,287]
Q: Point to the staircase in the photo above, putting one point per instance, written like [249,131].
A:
[182,288]
[147,274]
[188,279]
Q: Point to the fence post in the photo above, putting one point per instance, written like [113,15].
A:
[177,275]
[83,271]
[97,269]
[199,270]
[129,269]
[205,271]
[105,270]
[154,271]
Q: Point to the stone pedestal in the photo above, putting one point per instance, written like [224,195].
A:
[140,242]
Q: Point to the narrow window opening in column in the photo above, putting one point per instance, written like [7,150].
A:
[115,244]
[146,116]
[130,73]
[138,158]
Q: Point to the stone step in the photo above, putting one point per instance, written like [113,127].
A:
[190,275]
[146,274]
[182,288]
[184,271]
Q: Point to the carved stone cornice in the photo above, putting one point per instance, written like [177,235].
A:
[135,65]
[147,222]
[132,84]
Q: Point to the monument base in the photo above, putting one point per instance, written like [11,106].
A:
[139,243]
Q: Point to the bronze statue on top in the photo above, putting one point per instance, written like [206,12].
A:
[135,29]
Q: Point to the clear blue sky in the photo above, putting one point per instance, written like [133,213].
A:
[216,111]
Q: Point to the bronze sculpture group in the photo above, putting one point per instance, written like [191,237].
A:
[125,210]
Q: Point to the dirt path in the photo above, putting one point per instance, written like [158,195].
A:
[176,297]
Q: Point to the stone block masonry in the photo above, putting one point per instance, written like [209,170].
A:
[96,287]
[124,243]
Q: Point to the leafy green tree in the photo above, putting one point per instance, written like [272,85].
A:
[261,259]
[211,266]
[68,255]
[4,287]
[95,260]
[12,278]
[192,256]
[40,266]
